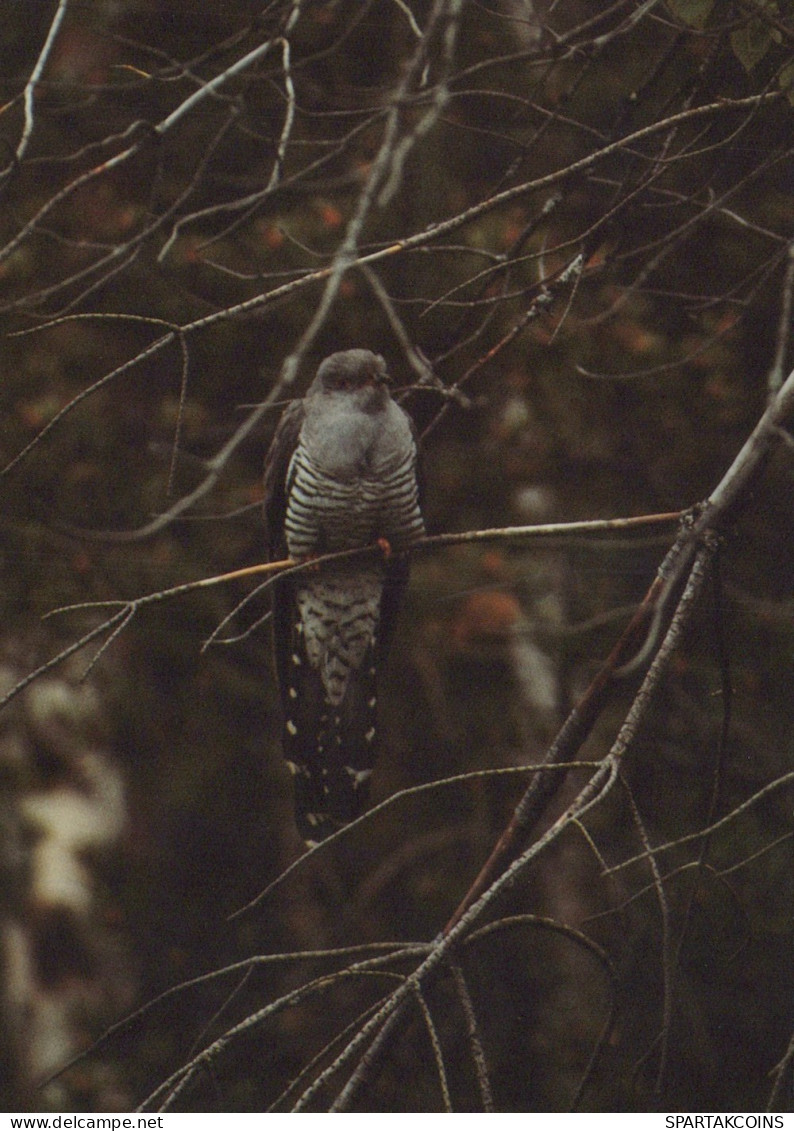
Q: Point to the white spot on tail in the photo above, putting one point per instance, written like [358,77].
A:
[358,776]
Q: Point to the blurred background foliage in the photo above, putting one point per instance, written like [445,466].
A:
[628,391]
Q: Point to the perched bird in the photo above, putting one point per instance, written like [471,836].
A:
[341,473]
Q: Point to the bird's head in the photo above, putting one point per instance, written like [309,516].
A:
[359,372]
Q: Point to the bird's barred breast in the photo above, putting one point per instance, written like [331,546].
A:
[325,514]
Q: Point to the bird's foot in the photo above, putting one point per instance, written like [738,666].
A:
[385,548]
[310,562]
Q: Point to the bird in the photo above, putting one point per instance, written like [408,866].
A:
[342,472]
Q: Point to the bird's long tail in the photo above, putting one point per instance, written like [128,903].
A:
[330,748]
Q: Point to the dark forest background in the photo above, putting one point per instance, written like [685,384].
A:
[567,226]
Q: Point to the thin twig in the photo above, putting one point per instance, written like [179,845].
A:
[29,93]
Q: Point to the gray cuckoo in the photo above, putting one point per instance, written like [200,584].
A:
[341,473]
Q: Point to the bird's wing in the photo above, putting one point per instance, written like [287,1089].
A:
[398,568]
[277,461]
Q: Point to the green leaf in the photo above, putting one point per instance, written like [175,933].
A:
[695,13]
[752,41]
[785,81]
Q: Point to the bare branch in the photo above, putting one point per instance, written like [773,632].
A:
[30,87]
